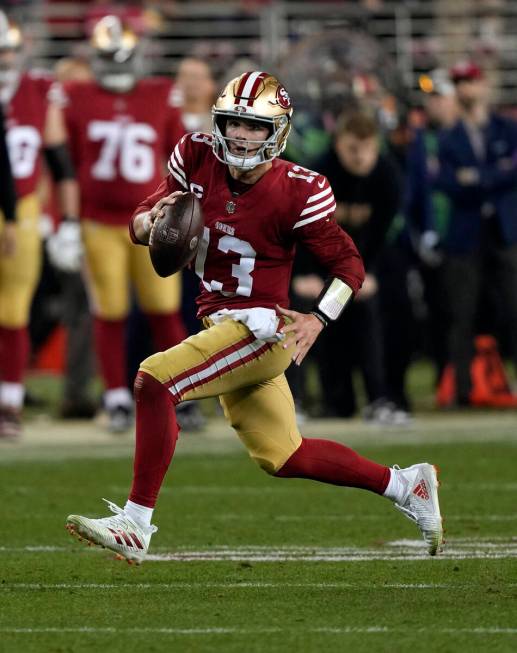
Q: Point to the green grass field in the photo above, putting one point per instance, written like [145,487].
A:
[245,563]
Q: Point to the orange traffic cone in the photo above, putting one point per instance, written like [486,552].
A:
[490,387]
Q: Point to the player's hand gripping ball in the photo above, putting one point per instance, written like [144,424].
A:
[175,236]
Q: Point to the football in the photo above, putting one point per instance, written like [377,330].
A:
[175,237]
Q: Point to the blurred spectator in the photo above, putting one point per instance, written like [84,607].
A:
[367,189]
[195,94]
[427,208]
[478,172]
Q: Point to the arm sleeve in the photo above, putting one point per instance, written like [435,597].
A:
[7,186]
[335,251]
[332,247]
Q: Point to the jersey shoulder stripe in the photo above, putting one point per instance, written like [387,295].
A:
[176,164]
[192,148]
[318,205]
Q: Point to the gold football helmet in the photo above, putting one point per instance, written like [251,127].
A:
[11,57]
[115,62]
[259,97]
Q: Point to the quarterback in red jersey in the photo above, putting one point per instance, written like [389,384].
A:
[121,129]
[34,126]
[256,208]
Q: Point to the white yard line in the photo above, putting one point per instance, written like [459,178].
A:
[351,630]
[364,556]
[460,549]
[232,586]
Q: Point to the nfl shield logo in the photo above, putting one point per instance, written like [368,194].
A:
[230,207]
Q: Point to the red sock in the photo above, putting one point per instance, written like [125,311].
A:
[110,345]
[331,462]
[14,354]
[156,436]
[167,329]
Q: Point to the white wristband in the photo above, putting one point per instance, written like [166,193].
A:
[332,303]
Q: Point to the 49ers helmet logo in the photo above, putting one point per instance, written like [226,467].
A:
[282,97]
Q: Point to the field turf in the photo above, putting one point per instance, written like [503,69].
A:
[245,563]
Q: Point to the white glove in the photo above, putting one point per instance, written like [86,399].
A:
[428,249]
[65,248]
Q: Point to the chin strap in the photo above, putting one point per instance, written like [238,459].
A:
[332,300]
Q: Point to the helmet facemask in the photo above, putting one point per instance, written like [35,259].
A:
[273,146]
[116,75]
[117,62]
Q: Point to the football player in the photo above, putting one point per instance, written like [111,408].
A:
[34,125]
[121,128]
[256,209]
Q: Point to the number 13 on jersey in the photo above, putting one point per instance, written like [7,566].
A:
[237,280]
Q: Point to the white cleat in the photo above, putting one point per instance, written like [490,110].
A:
[119,533]
[420,503]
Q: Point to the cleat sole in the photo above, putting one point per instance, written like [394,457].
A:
[71,529]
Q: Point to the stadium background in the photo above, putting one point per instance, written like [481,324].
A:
[244,564]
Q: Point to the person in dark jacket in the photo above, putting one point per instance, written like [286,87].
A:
[368,193]
[427,209]
[478,172]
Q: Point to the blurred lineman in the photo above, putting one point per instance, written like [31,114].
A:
[121,130]
[35,125]
[478,172]
[256,208]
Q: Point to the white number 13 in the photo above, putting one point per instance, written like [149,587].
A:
[241,270]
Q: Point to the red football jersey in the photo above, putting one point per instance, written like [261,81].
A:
[25,114]
[246,253]
[120,143]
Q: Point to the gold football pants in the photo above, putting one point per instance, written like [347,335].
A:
[114,265]
[247,374]
[19,274]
